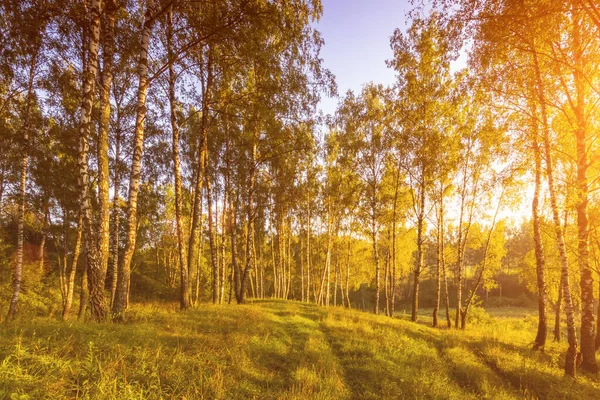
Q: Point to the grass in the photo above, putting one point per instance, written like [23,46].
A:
[279,350]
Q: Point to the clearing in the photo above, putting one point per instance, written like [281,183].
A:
[279,349]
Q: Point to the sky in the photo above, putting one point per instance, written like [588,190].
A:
[357,42]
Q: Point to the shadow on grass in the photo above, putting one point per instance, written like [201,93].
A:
[518,369]
[273,349]
[381,361]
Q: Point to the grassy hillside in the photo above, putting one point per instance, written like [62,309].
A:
[276,349]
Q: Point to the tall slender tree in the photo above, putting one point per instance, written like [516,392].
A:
[95,270]
[123,277]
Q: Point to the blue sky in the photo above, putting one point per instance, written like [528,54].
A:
[356,34]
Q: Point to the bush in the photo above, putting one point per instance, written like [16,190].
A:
[477,314]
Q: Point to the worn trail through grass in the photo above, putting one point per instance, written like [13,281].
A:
[279,350]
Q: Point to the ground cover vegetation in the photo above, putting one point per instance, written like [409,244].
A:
[281,349]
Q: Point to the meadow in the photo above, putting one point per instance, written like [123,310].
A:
[281,350]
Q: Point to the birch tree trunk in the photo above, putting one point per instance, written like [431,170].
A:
[289,259]
[184,296]
[198,264]
[71,281]
[386,280]
[123,276]
[376,260]
[250,230]
[62,259]
[18,266]
[211,242]
[348,274]
[598,319]
[444,276]
[540,263]
[2,181]
[588,346]
[273,255]
[394,229]
[200,165]
[335,278]
[223,236]
[95,271]
[83,294]
[557,310]
[308,253]
[438,270]
[279,259]
[116,219]
[420,251]
[329,250]
[105,110]
[43,243]
[570,367]
[234,261]
[302,292]
[459,247]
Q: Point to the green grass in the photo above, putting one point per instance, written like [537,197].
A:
[277,349]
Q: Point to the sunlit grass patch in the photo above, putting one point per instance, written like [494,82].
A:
[538,375]
[279,350]
[385,358]
[473,374]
